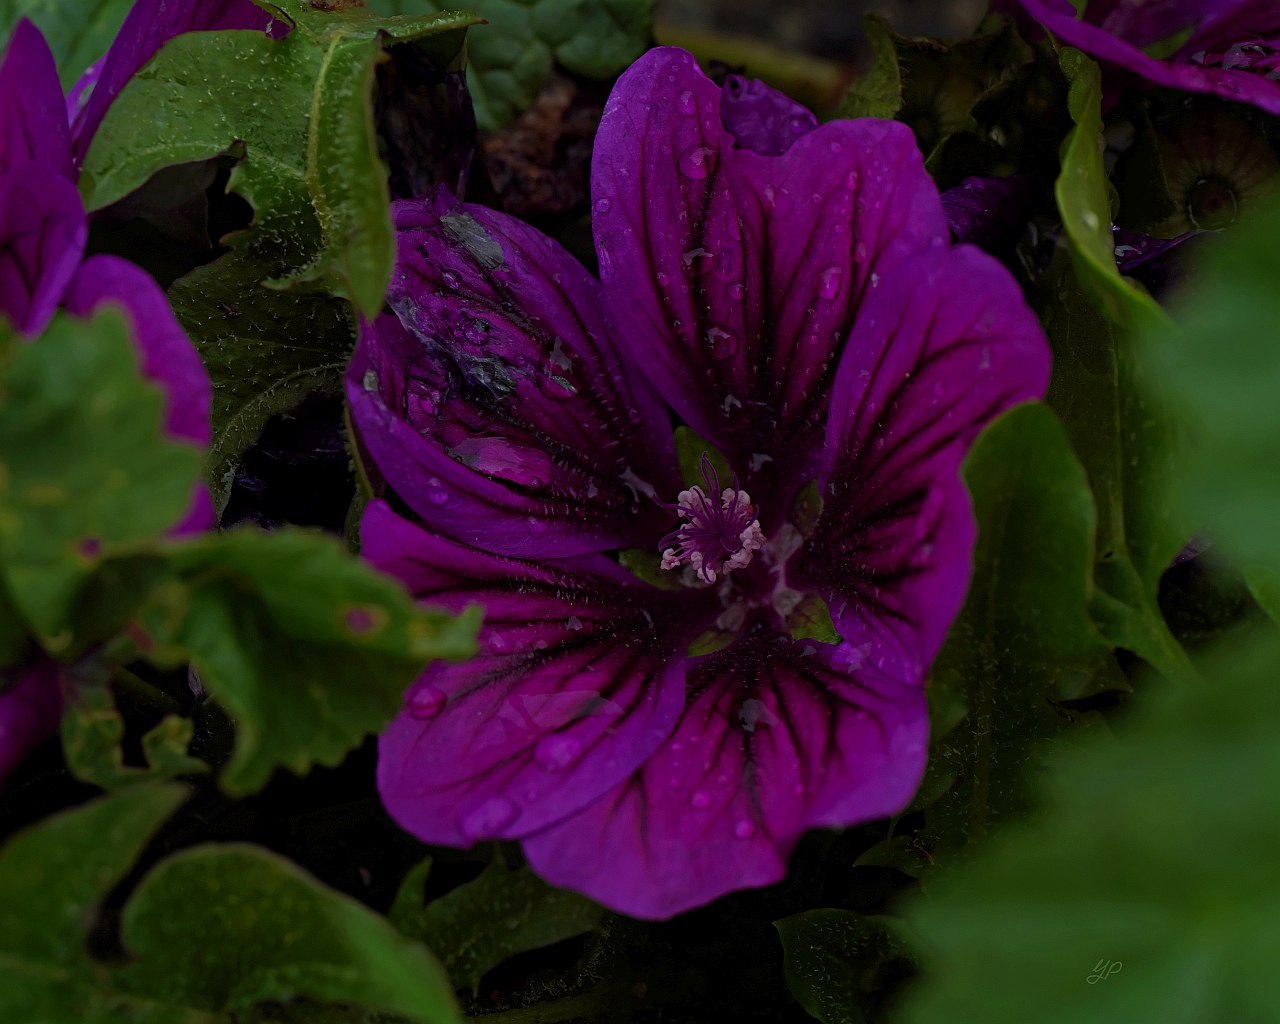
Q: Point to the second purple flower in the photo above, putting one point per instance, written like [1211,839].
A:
[788,292]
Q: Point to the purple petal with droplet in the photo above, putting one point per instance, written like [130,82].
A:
[578,679]
[42,239]
[776,737]
[33,121]
[29,714]
[991,213]
[499,405]
[147,27]
[946,346]
[760,118]
[735,277]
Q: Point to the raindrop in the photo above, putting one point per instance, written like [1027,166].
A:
[436,494]
[557,752]
[427,703]
[724,342]
[860,253]
[663,279]
[685,102]
[851,180]
[701,798]
[744,829]
[498,643]
[829,282]
[736,289]
[698,262]
[835,147]
[488,819]
[698,161]
[602,205]
[1090,219]
[536,526]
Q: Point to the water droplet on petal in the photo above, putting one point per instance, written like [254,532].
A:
[498,643]
[860,253]
[698,262]
[851,180]
[685,103]
[698,161]
[487,820]
[663,279]
[724,341]
[436,494]
[829,282]
[736,289]
[701,798]
[835,147]
[536,526]
[744,829]
[556,753]
[426,703]
[602,205]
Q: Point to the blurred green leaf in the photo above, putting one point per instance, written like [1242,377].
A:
[307,648]
[1024,639]
[77,31]
[490,919]
[219,928]
[1083,201]
[510,58]
[265,351]
[85,472]
[811,620]
[837,962]
[52,876]
[15,641]
[1222,366]
[301,106]
[877,92]
[1156,854]
[1127,442]
[1264,584]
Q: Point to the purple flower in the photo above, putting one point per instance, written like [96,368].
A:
[793,300]
[990,212]
[1233,52]
[43,232]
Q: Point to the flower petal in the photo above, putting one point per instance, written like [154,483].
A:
[1230,84]
[147,27]
[992,213]
[42,239]
[735,277]
[166,354]
[33,114]
[578,679]
[29,714]
[499,406]
[776,737]
[762,119]
[945,346]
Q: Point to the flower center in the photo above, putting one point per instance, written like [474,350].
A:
[722,532]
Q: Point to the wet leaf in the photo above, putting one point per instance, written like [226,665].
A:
[490,919]
[1085,205]
[307,648]
[265,351]
[839,963]
[1024,639]
[86,472]
[254,926]
[302,107]
[877,92]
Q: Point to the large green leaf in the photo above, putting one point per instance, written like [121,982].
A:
[85,472]
[1127,442]
[77,31]
[301,106]
[1023,639]
[1145,891]
[219,928]
[308,648]
[878,91]
[1222,365]
[490,919]
[51,878]
[836,961]
[1085,205]
[510,58]
[265,351]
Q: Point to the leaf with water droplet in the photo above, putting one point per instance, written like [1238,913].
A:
[480,924]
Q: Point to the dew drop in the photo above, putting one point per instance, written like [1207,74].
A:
[663,279]
[1090,219]
[685,102]
[602,205]
[488,819]
[835,147]
[698,161]
[698,262]
[829,282]
[701,798]
[556,753]
[744,829]
[536,526]
[860,253]
[436,494]
[736,289]
[851,180]
[498,643]
[724,342]
[426,703]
